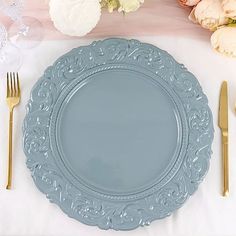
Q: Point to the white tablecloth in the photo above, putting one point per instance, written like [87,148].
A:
[26,211]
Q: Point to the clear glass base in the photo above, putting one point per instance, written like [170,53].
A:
[26,33]
[10,59]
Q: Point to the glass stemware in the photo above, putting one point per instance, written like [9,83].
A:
[25,32]
[10,57]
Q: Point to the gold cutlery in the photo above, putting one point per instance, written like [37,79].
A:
[13,99]
[223,124]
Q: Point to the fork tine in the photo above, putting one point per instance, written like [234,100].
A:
[8,85]
[14,85]
[11,87]
[18,83]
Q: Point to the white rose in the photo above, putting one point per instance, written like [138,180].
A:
[209,14]
[129,5]
[229,7]
[75,17]
[224,41]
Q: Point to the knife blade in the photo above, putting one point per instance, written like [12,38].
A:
[223,124]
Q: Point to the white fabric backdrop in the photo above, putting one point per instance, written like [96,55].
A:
[26,211]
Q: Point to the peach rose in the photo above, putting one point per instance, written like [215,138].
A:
[224,41]
[229,7]
[189,2]
[209,14]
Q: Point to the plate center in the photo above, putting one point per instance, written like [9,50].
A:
[119,132]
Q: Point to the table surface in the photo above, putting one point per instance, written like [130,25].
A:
[26,211]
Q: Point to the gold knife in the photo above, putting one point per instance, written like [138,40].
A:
[223,124]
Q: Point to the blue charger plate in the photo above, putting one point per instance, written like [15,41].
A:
[117,134]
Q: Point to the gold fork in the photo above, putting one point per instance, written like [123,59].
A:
[13,99]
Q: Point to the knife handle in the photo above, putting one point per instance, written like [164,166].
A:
[225,164]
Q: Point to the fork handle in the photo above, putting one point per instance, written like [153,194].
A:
[9,173]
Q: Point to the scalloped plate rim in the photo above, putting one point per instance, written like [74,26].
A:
[138,44]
